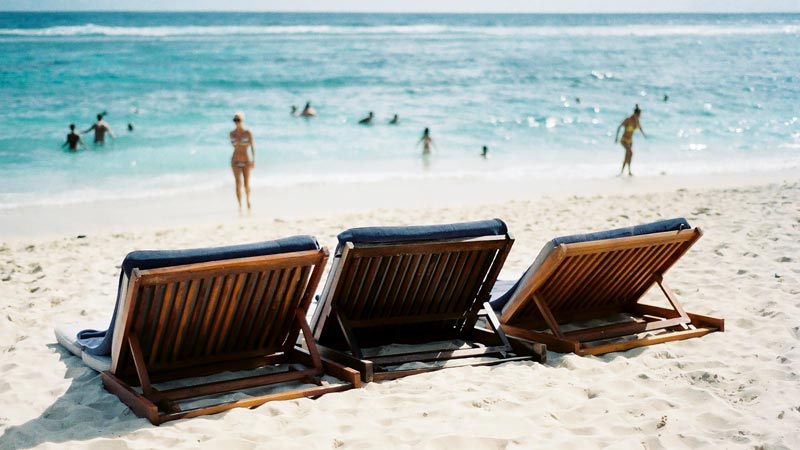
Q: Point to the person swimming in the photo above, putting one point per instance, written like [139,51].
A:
[427,142]
[293,112]
[630,124]
[367,120]
[73,139]
[395,120]
[308,111]
[100,129]
[241,163]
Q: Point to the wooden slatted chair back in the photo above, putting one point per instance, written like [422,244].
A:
[433,288]
[582,280]
[203,314]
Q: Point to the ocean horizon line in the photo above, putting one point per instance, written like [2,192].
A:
[412,13]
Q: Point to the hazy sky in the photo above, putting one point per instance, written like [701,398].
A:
[532,6]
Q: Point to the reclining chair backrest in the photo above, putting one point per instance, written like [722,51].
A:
[410,284]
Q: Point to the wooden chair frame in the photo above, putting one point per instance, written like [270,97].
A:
[597,279]
[207,318]
[410,281]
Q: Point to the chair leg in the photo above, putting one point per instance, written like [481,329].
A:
[310,343]
[494,324]
[349,336]
[139,364]
[551,321]
[139,404]
[671,298]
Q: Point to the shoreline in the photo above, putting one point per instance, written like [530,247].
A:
[321,200]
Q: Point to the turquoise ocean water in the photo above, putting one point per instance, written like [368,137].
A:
[545,93]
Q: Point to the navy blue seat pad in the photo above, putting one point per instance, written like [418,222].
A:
[417,233]
[636,230]
[154,259]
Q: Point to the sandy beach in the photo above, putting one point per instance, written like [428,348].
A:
[738,389]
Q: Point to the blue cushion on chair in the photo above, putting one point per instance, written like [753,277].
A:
[389,235]
[96,342]
[502,297]
[154,259]
[648,228]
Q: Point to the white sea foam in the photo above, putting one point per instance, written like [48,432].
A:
[171,185]
[115,190]
[422,29]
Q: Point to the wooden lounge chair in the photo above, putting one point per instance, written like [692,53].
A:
[604,275]
[415,285]
[184,316]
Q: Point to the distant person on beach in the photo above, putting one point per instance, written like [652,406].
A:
[241,163]
[395,120]
[485,152]
[367,120]
[630,124]
[426,141]
[308,111]
[73,139]
[100,129]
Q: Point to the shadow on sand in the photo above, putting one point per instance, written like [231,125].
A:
[85,411]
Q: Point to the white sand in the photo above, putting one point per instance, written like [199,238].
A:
[737,389]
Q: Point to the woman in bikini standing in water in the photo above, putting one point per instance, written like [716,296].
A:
[427,141]
[241,163]
[631,124]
